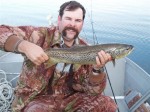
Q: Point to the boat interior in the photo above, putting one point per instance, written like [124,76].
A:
[127,84]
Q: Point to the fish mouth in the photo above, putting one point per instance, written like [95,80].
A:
[128,49]
[131,48]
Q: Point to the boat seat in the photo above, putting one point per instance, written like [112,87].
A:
[131,102]
[135,100]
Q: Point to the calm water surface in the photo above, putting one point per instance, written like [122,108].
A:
[123,21]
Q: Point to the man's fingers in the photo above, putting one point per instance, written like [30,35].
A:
[101,58]
[109,57]
[35,61]
[98,61]
[44,55]
[105,56]
[38,60]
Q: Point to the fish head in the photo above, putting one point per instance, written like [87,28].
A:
[121,51]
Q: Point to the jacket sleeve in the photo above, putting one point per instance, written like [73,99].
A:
[11,36]
[94,84]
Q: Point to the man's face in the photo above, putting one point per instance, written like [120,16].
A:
[70,24]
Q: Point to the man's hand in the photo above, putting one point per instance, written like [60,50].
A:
[35,53]
[102,59]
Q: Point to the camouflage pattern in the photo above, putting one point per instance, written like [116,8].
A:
[49,90]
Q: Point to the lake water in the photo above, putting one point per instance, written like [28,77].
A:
[122,21]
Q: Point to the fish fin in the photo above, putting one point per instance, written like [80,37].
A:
[50,62]
[114,62]
[76,67]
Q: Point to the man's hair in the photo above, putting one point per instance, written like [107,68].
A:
[71,6]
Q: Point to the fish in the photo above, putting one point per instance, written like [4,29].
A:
[86,54]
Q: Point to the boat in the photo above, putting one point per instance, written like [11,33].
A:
[128,84]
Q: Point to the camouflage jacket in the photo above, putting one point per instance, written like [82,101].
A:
[42,80]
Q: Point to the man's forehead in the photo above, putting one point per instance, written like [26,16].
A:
[72,12]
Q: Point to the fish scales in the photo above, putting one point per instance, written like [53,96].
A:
[87,54]
[72,57]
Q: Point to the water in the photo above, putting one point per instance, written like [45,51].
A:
[123,21]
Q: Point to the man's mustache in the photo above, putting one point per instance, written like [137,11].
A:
[71,28]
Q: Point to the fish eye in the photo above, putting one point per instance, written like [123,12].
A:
[128,48]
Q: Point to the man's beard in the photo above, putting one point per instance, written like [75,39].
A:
[64,32]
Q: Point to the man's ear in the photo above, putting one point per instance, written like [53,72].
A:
[59,18]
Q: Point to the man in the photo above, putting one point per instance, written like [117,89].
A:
[57,88]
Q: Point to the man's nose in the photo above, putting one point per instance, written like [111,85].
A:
[72,23]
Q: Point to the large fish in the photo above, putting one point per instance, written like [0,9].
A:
[86,54]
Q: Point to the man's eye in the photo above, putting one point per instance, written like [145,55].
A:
[78,20]
[68,19]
